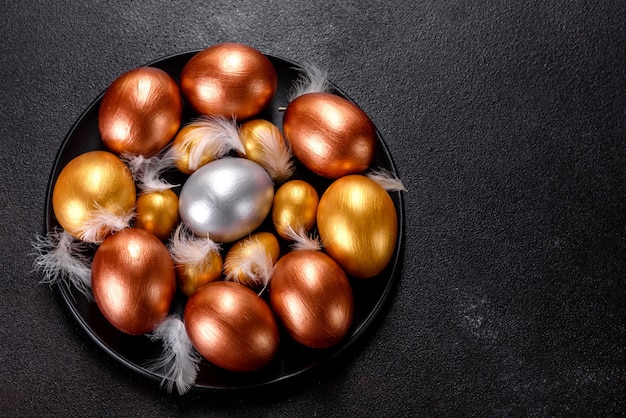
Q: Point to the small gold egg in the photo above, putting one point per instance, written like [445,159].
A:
[191,277]
[265,145]
[248,260]
[157,212]
[295,206]
[183,143]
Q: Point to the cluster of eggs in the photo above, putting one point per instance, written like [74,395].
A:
[232,320]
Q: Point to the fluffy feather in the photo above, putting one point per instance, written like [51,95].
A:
[257,266]
[387,180]
[147,171]
[312,79]
[277,156]
[59,257]
[219,136]
[302,240]
[103,222]
[179,362]
[187,249]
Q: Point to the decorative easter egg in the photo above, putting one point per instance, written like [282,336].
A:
[226,199]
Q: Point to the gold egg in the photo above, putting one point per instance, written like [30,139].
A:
[186,139]
[140,112]
[191,277]
[265,145]
[229,79]
[93,180]
[358,225]
[245,260]
[312,297]
[157,212]
[133,280]
[295,206]
[330,135]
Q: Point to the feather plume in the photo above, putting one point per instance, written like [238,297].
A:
[312,79]
[218,136]
[302,240]
[387,180]
[187,249]
[179,362]
[147,172]
[103,222]
[277,155]
[60,258]
[257,266]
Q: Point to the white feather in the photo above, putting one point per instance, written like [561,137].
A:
[218,136]
[302,240]
[257,266]
[179,362]
[103,222]
[312,79]
[189,250]
[276,155]
[147,172]
[387,180]
[59,257]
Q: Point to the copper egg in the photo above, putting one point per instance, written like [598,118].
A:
[229,79]
[91,181]
[330,135]
[312,297]
[133,280]
[231,326]
[358,225]
[140,112]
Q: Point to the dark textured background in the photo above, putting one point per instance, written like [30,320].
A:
[507,123]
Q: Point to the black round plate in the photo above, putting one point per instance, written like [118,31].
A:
[292,360]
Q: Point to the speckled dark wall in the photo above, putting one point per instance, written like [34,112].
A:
[506,121]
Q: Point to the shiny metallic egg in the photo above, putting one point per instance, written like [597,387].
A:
[330,135]
[229,79]
[140,112]
[312,298]
[358,224]
[133,280]
[226,199]
[231,326]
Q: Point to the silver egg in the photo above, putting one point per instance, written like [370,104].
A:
[226,199]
